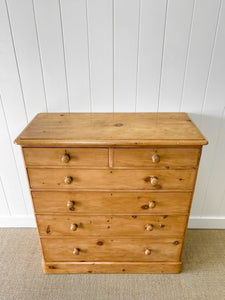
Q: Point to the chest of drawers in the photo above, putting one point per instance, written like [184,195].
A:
[111,192]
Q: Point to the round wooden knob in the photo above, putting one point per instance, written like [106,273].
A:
[70,205]
[76,251]
[154,180]
[152,204]
[68,179]
[149,227]
[147,251]
[73,227]
[155,158]
[65,158]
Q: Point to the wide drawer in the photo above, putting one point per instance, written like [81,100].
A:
[109,203]
[80,157]
[112,179]
[111,249]
[149,226]
[160,157]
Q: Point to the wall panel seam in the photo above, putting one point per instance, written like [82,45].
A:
[64,54]
[138,53]
[88,50]
[162,55]
[16,60]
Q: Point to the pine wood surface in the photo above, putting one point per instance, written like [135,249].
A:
[148,226]
[112,179]
[111,249]
[112,192]
[110,129]
[111,267]
[112,202]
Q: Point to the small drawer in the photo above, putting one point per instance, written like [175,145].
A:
[112,179]
[153,157]
[112,203]
[75,157]
[149,226]
[111,249]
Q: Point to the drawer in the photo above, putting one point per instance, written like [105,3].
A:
[81,157]
[112,179]
[111,249]
[162,157]
[149,226]
[112,203]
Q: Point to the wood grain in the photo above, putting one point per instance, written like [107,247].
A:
[169,157]
[112,179]
[111,249]
[76,129]
[61,225]
[111,267]
[112,203]
[80,157]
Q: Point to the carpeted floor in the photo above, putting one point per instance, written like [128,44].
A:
[21,276]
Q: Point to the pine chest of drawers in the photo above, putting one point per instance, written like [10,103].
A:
[112,192]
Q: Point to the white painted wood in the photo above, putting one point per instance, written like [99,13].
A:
[74,24]
[4,208]
[28,57]
[126,42]
[113,55]
[100,34]
[178,26]
[152,28]
[11,187]
[47,14]
[199,56]
[14,109]
[207,82]
[18,221]
[206,223]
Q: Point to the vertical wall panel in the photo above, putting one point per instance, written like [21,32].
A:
[126,29]
[52,54]
[213,123]
[4,209]
[25,39]
[14,108]
[74,25]
[152,28]
[199,88]
[100,35]
[8,171]
[199,57]
[178,26]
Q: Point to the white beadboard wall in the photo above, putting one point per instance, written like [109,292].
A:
[112,56]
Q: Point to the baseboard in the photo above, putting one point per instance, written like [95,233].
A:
[194,222]
[18,221]
[206,223]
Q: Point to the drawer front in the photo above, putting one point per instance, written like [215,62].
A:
[162,157]
[110,249]
[80,157]
[149,226]
[111,203]
[112,179]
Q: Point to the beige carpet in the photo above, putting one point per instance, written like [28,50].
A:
[21,276]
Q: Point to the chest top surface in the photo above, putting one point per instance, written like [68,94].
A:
[111,129]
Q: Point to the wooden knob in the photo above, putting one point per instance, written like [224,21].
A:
[76,251]
[154,180]
[68,179]
[65,158]
[70,204]
[147,251]
[152,204]
[155,158]
[73,227]
[149,227]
